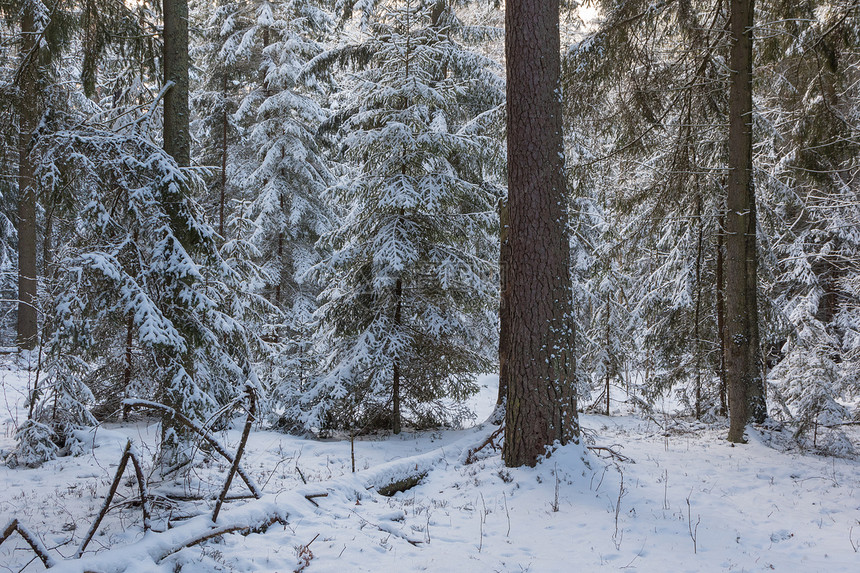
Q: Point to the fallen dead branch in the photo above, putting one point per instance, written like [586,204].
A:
[471,457]
[234,467]
[36,544]
[390,530]
[127,454]
[311,496]
[200,431]
[401,485]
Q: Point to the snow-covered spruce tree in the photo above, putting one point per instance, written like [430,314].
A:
[274,167]
[404,320]
[808,167]
[648,150]
[139,283]
[227,55]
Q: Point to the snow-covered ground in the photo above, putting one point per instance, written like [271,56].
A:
[685,501]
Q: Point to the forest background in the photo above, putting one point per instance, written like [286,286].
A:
[326,234]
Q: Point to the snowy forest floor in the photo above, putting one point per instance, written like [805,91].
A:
[686,500]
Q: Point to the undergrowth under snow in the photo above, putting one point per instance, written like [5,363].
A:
[685,500]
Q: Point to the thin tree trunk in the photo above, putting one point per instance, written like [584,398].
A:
[606,334]
[541,399]
[224,126]
[177,140]
[28,120]
[281,265]
[504,300]
[721,314]
[395,387]
[697,317]
[743,372]
[177,143]
[126,374]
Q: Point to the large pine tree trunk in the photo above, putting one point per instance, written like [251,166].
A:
[177,140]
[541,401]
[743,372]
[28,120]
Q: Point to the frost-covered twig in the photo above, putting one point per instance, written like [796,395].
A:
[693,529]
[618,536]
[37,546]
[612,453]
[200,431]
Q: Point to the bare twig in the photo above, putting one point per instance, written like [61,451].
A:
[619,535]
[301,475]
[141,484]
[694,529]
[611,453]
[666,490]
[508,514]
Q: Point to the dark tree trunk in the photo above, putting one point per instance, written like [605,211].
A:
[224,130]
[28,120]
[697,335]
[281,267]
[177,140]
[743,372]
[127,369]
[721,314]
[395,386]
[177,143]
[504,300]
[541,398]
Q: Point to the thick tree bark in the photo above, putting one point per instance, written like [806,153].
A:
[177,140]
[743,371]
[541,400]
[28,120]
